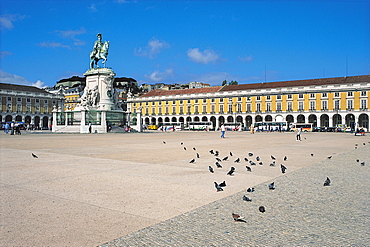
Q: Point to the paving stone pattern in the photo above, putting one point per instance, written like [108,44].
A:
[299,212]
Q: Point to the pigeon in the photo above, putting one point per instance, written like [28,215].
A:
[181,143]
[272,186]
[262,209]
[364,143]
[232,169]
[258,158]
[363,163]
[285,158]
[198,156]
[164,142]
[194,148]
[185,148]
[250,190]
[283,168]
[218,187]
[311,155]
[329,157]
[357,160]
[327,182]
[246,159]
[250,154]
[226,158]
[272,157]
[248,168]
[211,169]
[273,163]
[231,154]
[237,160]
[217,153]
[260,163]
[211,151]
[237,217]
[223,184]
[356,144]
[34,155]
[252,163]
[218,159]
[245,198]
[218,165]
[192,161]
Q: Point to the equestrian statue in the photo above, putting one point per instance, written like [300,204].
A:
[100,51]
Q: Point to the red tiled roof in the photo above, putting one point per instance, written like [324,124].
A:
[299,83]
[160,92]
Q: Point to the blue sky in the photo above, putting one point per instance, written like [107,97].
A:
[182,41]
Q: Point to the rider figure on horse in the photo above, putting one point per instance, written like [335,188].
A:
[97,53]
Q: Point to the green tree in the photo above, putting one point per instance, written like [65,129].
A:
[233,83]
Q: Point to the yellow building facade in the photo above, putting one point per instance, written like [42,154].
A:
[323,102]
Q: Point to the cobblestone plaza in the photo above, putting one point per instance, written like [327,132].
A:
[139,189]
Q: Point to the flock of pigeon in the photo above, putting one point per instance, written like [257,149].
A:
[251,160]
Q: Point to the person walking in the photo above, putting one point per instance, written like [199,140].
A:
[7,126]
[299,134]
[222,131]
[90,127]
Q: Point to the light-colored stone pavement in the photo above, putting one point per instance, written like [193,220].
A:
[86,190]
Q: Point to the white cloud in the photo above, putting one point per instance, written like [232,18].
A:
[153,48]
[92,8]
[205,57]
[71,34]
[246,59]
[157,76]
[6,20]
[6,77]
[5,53]
[53,45]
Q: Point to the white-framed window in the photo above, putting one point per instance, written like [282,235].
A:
[349,94]
[249,108]
[312,95]
[278,96]
[19,107]
[300,96]
[213,108]
[363,93]
[222,108]
[312,105]
[196,108]
[290,106]
[268,107]
[204,109]
[37,108]
[278,106]
[174,110]
[324,95]
[336,94]
[258,98]
[349,104]
[363,104]
[336,104]
[268,97]
[290,96]
[300,106]
[28,108]
[160,110]
[230,108]
[239,107]
[258,107]
[324,105]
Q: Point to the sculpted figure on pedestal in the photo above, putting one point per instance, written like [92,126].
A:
[100,51]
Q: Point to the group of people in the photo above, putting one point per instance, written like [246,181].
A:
[13,127]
